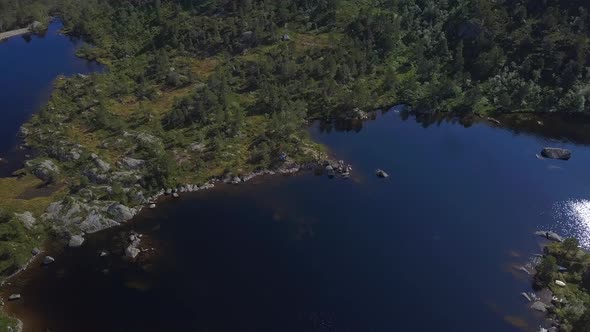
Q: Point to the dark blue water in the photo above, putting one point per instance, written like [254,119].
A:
[430,249]
[28,65]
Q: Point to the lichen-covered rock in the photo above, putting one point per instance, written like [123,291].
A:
[101,164]
[96,177]
[120,212]
[132,163]
[45,169]
[26,219]
[74,216]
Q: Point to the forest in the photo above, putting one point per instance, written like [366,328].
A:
[460,55]
[15,14]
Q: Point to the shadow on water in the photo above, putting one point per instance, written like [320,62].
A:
[557,127]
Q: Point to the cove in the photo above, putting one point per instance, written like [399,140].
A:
[29,65]
[434,247]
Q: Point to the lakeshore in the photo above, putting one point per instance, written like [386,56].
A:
[9,34]
[295,217]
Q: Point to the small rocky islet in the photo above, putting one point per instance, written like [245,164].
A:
[560,279]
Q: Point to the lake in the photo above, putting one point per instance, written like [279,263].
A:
[432,248]
[28,66]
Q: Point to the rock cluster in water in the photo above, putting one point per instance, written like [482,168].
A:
[556,153]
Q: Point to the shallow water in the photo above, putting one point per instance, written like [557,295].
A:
[432,248]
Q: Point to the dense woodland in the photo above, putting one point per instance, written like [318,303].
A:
[15,14]
[460,55]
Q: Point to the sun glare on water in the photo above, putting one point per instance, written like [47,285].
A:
[573,219]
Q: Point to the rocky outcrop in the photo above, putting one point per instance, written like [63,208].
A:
[96,177]
[120,212]
[556,153]
[75,216]
[549,235]
[44,170]
[539,306]
[26,219]
[63,151]
[132,163]
[100,164]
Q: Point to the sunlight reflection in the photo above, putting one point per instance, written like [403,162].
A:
[573,217]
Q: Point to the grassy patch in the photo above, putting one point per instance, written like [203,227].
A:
[13,188]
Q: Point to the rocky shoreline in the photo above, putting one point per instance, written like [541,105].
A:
[116,214]
[541,297]
[73,217]
[35,26]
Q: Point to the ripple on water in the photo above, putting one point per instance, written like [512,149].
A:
[573,218]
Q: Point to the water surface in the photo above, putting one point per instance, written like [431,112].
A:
[28,65]
[431,248]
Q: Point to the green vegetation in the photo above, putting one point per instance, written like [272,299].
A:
[16,14]
[216,88]
[574,311]
[201,89]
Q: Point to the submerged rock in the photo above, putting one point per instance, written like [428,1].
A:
[330,171]
[381,173]
[48,260]
[132,252]
[556,153]
[526,296]
[14,297]
[76,241]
